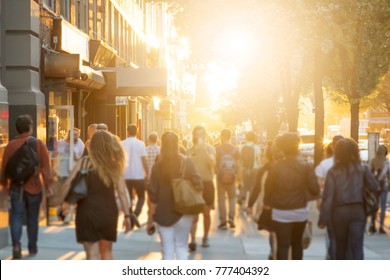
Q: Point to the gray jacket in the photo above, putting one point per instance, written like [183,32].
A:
[345,187]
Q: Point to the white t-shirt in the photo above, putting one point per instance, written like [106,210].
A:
[290,216]
[135,150]
[63,149]
[323,168]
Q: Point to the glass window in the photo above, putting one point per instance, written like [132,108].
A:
[116,30]
[51,4]
[65,9]
[94,11]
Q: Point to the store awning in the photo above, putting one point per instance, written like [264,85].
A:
[101,54]
[141,82]
[89,78]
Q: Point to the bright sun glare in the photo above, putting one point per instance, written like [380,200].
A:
[235,44]
[220,80]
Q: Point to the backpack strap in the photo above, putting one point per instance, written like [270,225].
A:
[31,142]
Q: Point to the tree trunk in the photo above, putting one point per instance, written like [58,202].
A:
[293,116]
[355,107]
[319,108]
[272,124]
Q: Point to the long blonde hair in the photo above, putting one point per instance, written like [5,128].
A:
[107,157]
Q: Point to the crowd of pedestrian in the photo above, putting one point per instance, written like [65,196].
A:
[274,185]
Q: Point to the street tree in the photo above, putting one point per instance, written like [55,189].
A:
[361,38]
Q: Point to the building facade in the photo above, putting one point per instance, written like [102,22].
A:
[70,63]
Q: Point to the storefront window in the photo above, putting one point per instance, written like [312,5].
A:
[4,118]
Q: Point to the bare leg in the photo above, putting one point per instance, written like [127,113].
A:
[92,250]
[206,222]
[194,228]
[105,248]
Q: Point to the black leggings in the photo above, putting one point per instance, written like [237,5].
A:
[139,187]
[289,234]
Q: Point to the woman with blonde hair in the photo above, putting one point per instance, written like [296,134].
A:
[97,214]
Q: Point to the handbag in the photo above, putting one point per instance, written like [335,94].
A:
[307,235]
[79,185]
[186,199]
[265,220]
[370,203]
[370,199]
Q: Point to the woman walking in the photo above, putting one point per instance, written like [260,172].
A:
[290,184]
[343,200]
[174,228]
[380,169]
[97,214]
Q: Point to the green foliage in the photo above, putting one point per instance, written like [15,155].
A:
[361,35]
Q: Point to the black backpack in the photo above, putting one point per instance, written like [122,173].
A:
[24,163]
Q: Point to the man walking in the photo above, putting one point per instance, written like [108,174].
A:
[250,155]
[137,167]
[25,188]
[228,170]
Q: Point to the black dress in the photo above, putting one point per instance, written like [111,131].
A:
[97,214]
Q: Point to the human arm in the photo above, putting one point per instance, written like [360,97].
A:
[68,182]
[121,189]
[145,166]
[313,185]
[320,173]
[254,195]
[144,159]
[208,151]
[45,167]
[192,174]
[269,187]
[385,171]
[327,200]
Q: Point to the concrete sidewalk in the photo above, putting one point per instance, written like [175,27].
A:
[245,242]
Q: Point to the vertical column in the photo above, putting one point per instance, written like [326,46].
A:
[3,142]
[21,63]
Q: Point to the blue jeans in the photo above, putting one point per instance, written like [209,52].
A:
[24,205]
[348,224]
[331,243]
[382,207]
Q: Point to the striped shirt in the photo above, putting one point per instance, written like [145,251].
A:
[152,152]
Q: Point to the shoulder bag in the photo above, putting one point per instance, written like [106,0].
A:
[370,199]
[187,200]
[79,185]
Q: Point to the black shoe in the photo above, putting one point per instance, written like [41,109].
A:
[372,230]
[222,226]
[32,253]
[192,246]
[381,230]
[17,253]
[232,225]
